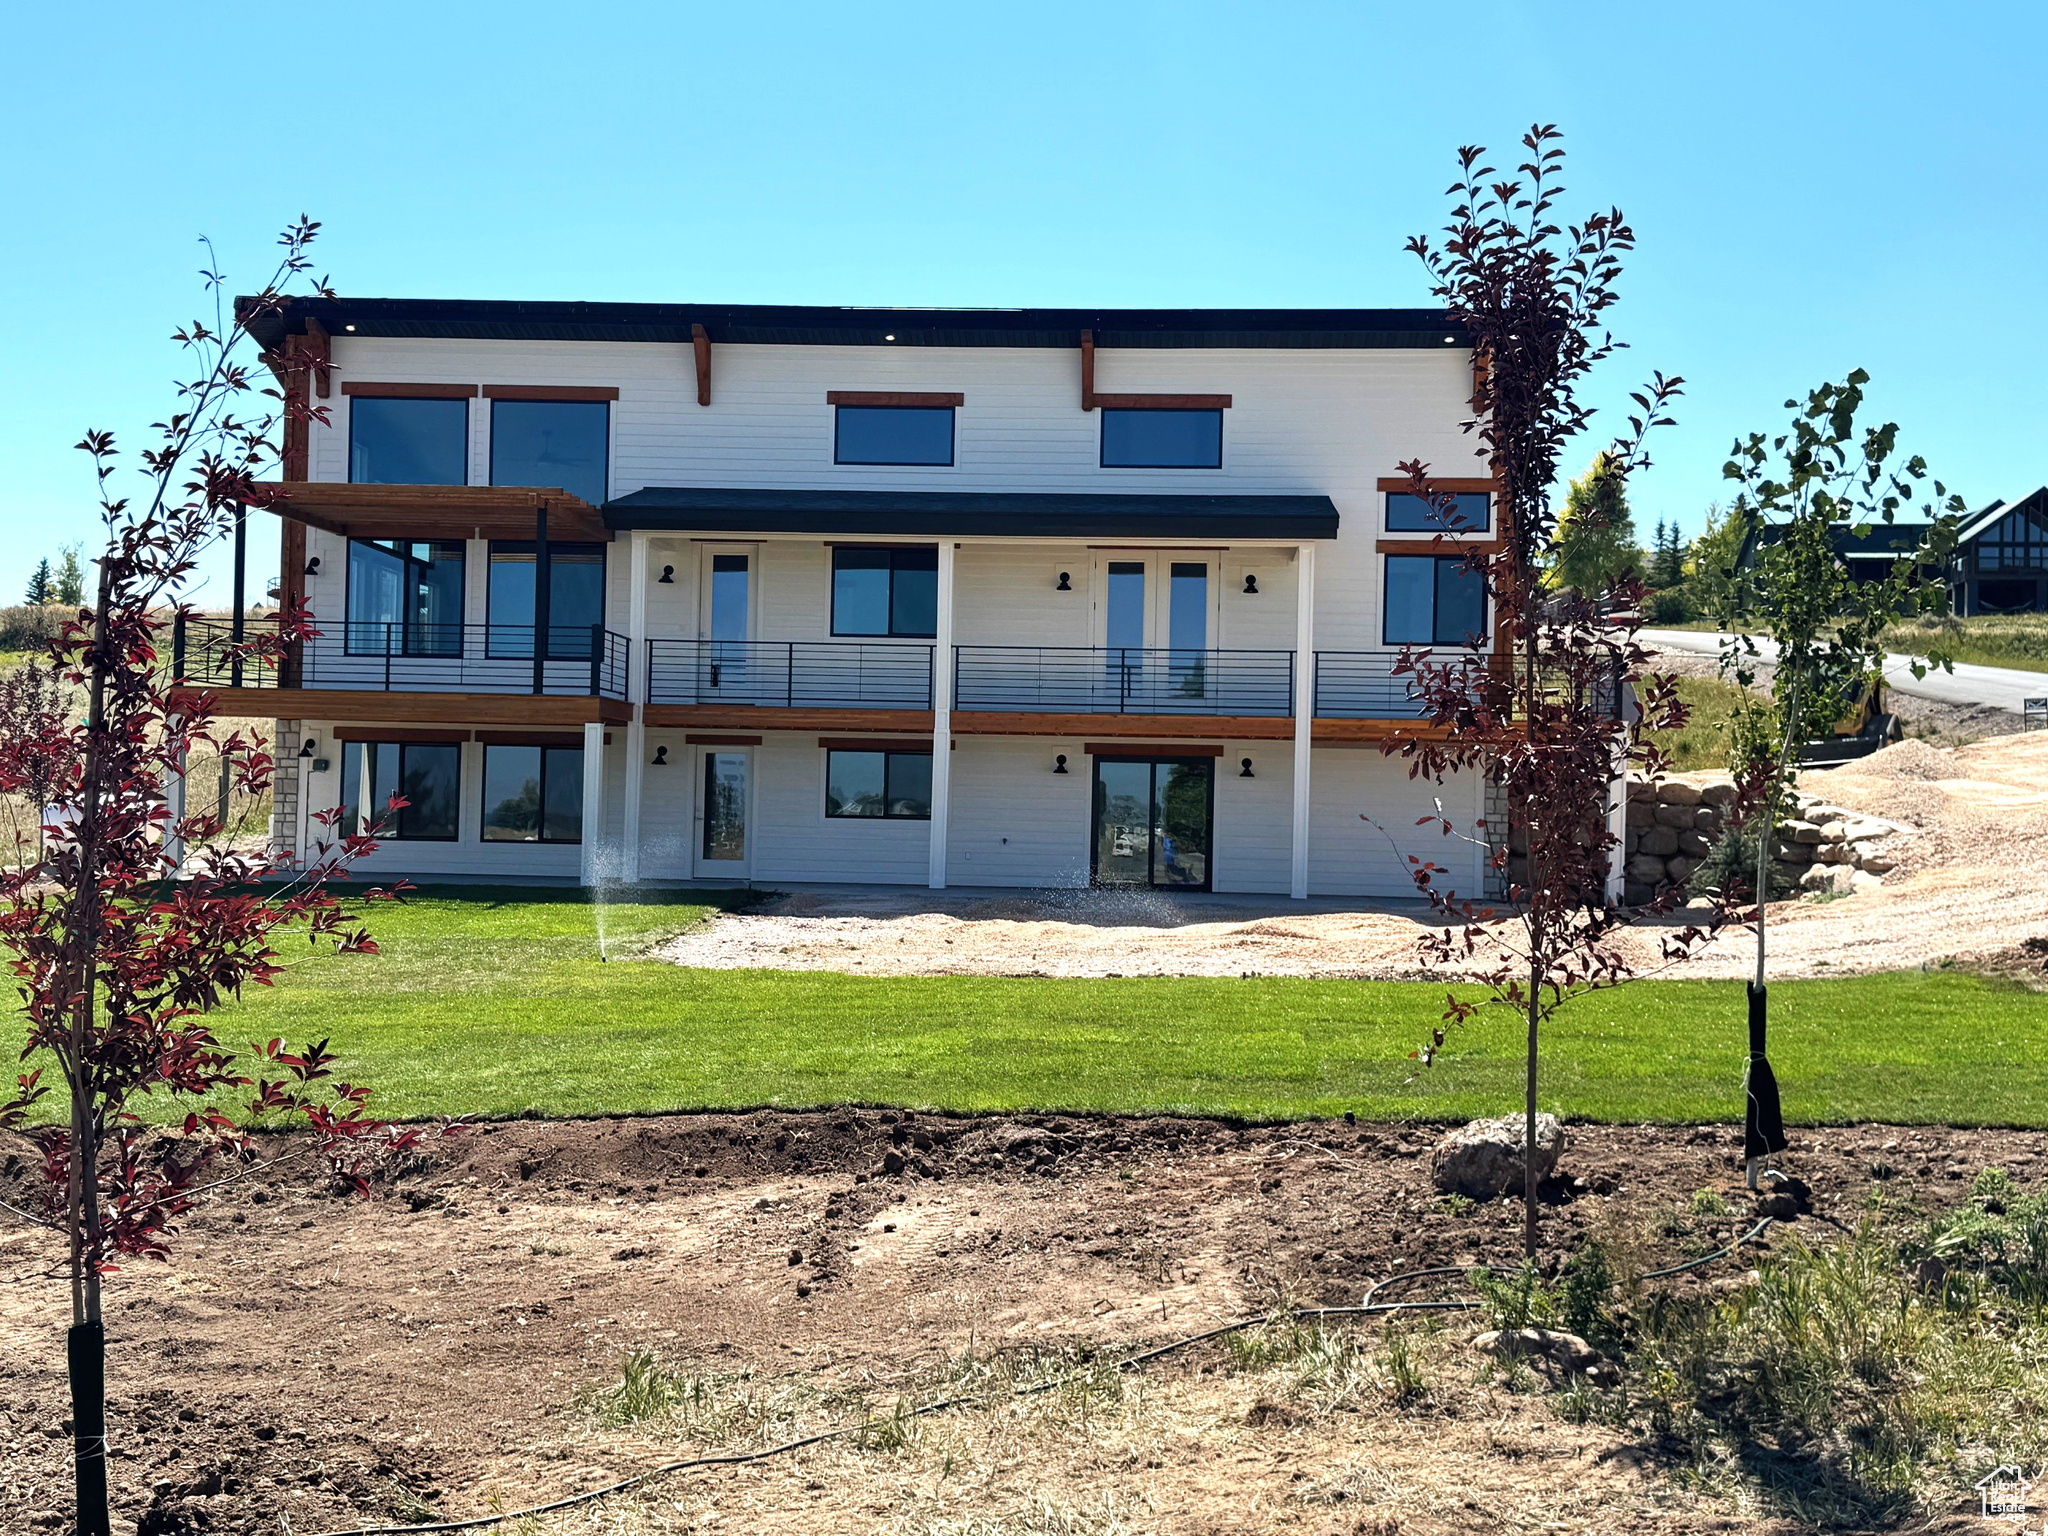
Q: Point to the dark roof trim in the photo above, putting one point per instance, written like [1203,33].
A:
[843,326]
[990,514]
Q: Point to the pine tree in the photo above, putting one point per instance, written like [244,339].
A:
[39,588]
[1596,537]
[1667,563]
[70,578]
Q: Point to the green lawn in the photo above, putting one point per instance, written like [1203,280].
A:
[496,1003]
[1987,640]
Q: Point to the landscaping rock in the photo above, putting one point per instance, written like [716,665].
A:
[1660,841]
[1678,868]
[1677,816]
[1804,832]
[1546,1348]
[1645,870]
[1677,792]
[1694,845]
[1718,792]
[1484,1158]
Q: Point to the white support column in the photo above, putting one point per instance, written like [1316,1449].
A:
[636,693]
[942,717]
[593,802]
[1304,708]
[174,796]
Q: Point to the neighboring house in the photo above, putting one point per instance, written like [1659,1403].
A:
[2002,558]
[778,594]
[2000,564]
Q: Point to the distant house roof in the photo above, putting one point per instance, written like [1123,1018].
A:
[1081,515]
[849,325]
[1874,541]
[1979,523]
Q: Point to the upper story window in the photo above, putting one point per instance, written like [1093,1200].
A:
[1161,439]
[2016,542]
[552,443]
[408,441]
[1433,600]
[890,591]
[892,434]
[404,597]
[575,598]
[1408,513]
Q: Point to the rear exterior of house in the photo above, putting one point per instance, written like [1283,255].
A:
[776,595]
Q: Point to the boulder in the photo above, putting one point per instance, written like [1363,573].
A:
[1694,845]
[1863,830]
[1792,853]
[1834,831]
[1645,868]
[1876,864]
[1638,893]
[1678,868]
[1826,879]
[1677,792]
[1800,832]
[1677,816]
[1718,792]
[1708,819]
[1484,1158]
[1863,880]
[1659,842]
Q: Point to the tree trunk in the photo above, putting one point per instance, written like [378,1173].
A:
[86,1344]
[1536,938]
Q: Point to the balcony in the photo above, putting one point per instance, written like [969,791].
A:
[790,674]
[583,661]
[1099,680]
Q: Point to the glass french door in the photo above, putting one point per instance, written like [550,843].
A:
[1156,622]
[1154,822]
[724,807]
[728,624]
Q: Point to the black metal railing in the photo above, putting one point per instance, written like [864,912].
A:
[416,658]
[790,674]
[1109,680]
[1361,685]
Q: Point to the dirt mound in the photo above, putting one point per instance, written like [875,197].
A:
[1908,760]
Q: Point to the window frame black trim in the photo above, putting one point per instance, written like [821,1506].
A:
[1485,605]
[952,413]
[1387,518]
[884,755]
[491,438]
[832,595]
[1102,432]
[483,794]
[397,833]
[468,428]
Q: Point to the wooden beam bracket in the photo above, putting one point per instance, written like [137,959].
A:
[1087,370]
[700,342]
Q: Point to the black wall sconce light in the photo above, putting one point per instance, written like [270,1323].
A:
[311,748]
[1246,771]
[1059,763]
[313,566]
[667,578]
[1251,584]
[1066,583]
[661,757]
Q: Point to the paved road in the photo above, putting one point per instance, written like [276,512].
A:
[1998,687]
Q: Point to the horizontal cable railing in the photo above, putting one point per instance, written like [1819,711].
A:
[790,674]
[583,659]
[1110,680]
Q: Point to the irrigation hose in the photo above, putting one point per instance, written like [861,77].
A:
[1367,1306]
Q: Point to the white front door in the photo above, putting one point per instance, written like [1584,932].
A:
[723,829]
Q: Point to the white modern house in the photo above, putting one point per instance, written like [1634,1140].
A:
[768,594]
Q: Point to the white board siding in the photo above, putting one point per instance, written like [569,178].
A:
[1314,421]
[1254,817]
[795,840]
[1015,822]
[1350,857]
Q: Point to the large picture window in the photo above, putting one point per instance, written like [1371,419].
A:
[885,592]
[533,794]
[1407,513]
[408,442]
[575,597]
[1433,600]
[1161,439]
[428,775]
[892,434]
[895,786]
[404,597]
[552,443]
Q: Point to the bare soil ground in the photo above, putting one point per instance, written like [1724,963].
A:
[1971,883]
[308,1362]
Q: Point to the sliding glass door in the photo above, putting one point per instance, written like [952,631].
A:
[1154,822]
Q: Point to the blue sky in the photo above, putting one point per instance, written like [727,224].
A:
[1813,188]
